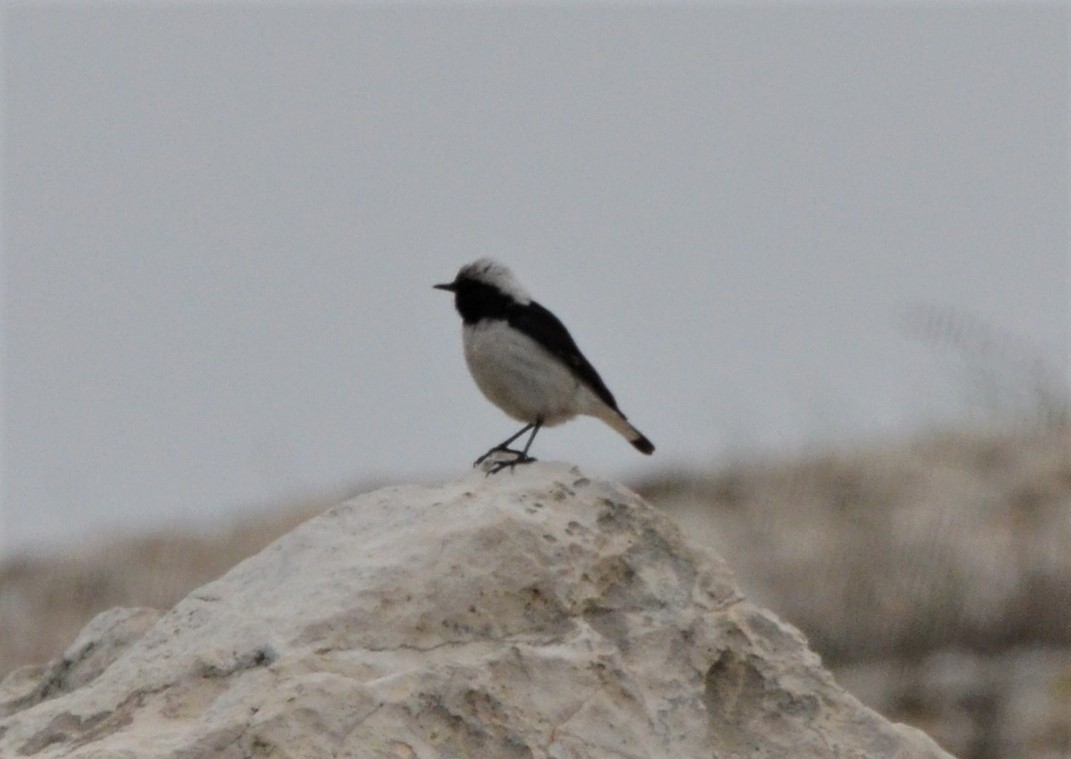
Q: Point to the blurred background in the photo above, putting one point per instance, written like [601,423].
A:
[818,252]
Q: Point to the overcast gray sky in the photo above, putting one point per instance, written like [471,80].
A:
[221,225]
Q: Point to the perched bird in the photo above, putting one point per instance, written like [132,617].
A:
[526,362]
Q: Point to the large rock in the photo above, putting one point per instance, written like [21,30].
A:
[533,614]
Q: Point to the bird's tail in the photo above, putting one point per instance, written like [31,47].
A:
[619,422]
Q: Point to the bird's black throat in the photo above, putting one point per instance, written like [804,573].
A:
[477,300]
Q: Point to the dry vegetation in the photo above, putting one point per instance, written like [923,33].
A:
[954,541]
[934,578]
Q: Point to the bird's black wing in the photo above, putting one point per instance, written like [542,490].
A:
[547,330]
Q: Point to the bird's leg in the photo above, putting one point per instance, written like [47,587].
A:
[524,454]
[504,446]
[522,457]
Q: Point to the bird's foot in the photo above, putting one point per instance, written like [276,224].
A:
[498,449]
[498,466]
[493,463]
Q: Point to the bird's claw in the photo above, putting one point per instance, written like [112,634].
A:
[498,449]
[495,467]
[498,466]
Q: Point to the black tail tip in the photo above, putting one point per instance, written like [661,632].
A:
[643,445]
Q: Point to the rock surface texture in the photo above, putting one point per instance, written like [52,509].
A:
[532,614]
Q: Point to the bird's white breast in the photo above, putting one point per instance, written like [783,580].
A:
[520,376]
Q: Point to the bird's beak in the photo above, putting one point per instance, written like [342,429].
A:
[449,287]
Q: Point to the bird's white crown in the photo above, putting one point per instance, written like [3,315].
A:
[497,275]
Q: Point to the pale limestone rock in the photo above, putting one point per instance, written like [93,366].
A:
[532,614]
[99,644]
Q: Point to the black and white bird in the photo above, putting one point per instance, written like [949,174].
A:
[526,362]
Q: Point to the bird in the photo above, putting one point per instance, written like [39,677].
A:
[525,362]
